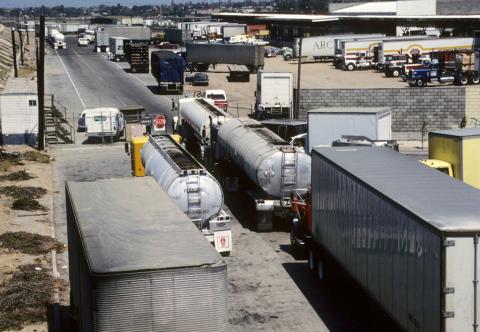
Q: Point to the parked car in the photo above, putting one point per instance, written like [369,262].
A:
[199,79]
[167,45]
[219,98]
[82,42]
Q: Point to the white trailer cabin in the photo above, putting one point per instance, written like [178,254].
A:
[19,112]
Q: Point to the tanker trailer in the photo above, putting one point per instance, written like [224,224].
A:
[272,169]
[57,39]
[193,189]
[198,119]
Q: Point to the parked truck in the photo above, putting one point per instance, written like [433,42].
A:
[274,95]
[459,152]
[193,189]
[103,34]
[326,125]
[321,47]
[168,68]
[56,38]
[406,234]
[457,67]
[201,55]
[117,48]
[137,263]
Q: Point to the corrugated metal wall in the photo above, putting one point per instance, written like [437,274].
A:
[394,257]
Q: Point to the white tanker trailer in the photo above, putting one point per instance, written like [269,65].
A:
[275,168]
[198,117]
[57,39]
[193,189]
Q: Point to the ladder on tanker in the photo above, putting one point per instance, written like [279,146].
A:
[289,173]
[194,199]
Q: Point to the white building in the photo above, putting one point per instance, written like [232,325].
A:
[19,112]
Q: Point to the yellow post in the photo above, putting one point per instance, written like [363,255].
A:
[136,155]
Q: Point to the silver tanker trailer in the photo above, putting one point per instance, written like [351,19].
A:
[271,168]
[193,189]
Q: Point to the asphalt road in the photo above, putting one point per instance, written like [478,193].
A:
[267,288]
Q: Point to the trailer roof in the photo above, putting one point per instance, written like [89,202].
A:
[350,110]
[131,224]
[445,203]
[458,132]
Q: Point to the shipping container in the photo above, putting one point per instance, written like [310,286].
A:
[326,125]
[137,262]
[201,55]
[19,112]
[461,149]
[406,234]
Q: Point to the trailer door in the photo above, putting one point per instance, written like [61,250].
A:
[461,289]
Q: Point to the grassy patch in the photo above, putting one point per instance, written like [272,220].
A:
[5,165]
[27,204]
[13,158]
[36,156]
[17,176]
[29,243]
[23,192]
[24,297]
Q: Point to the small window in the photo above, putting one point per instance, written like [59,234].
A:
[32,103]
[99,118]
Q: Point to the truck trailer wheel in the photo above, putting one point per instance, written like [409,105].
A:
[395,73]
[350,67]
[287,57]
[475,79]
[420,83]
[463,80]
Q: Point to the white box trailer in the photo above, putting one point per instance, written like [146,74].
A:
[422,47]
[116,45]
[326,125]
[323,47]
[407,234]
[274,95]
[137,263]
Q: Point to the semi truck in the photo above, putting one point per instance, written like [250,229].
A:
[406,234]
[321,47]
[117,48]
[137,263]
[457,67]
[168,68]
[193,189]
[103,34]
[201,55]
[458,149]
[274,95]
[56,38]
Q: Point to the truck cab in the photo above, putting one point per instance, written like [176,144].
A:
[219,98]
[393,64]
[358,61]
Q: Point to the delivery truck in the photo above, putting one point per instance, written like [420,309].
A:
[406,234]
[104,122]
[326,125]
[460,149]
[201,55]
[274,95]
[168,68]
[137,263]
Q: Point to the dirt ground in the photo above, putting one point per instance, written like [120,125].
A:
[314,75]
[37,222]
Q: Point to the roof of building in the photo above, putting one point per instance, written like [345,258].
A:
[458,132]
[20,85]
[131,224]
[445,203]
[383,7]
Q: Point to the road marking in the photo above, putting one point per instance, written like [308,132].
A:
[71,81]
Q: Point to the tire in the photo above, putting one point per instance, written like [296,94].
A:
[311,261]
[463,80]
[420,83]
[395,73]
[350,67]
[287,57]
[411,83]
[475,79]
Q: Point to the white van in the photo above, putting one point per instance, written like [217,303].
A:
[104,122]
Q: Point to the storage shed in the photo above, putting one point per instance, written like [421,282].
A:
[19,112]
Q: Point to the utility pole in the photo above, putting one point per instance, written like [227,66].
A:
[14,49]
[40,85]
[299,73]
[21,46]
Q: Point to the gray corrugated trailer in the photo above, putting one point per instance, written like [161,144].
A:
[103,34]
[137,263]
[404,232]
[204,54]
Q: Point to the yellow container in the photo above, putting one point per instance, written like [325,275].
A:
[136,155]
[460,148]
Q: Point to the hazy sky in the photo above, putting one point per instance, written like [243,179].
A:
[76,3]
